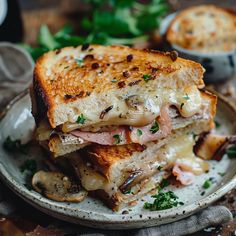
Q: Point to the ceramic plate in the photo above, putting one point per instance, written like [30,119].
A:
[18,123]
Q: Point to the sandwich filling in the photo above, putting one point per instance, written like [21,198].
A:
[131,169]
[177,109]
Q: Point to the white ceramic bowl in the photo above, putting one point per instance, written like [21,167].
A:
[219,66]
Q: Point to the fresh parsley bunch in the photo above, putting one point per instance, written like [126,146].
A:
[122,21]
[107,22]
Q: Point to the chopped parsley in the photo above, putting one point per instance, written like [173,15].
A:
[117,139]
[154,128]
[217,124]
[79,62]
[207,184]
[81,119]
[128,191]
[231,152]
[14,145]
[146,77]
[221,174]
[163,200]
[114,80]
[139,132]
[159,167]
[164,183]
[181,106]
[186,97]
[29,165]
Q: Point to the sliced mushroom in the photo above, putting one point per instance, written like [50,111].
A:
[212,146]
[133,175]
[134,102]
[57,186]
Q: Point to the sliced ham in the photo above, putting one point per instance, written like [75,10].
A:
[139,135]
[184,177]
[104,138]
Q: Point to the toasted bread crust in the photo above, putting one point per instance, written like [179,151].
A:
[205,28]
[59,79]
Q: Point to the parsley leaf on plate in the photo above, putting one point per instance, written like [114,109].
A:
[163,200]
[15,145]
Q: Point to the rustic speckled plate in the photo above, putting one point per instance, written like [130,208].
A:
[18,123]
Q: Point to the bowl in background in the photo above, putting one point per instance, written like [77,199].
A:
[219,66]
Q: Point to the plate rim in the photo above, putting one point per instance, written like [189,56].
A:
[50,207]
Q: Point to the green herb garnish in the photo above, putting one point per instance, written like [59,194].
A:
[154,128]
[79,62]
[117,139]
[105,22]
[231,152]
[139,132]
[217,124]
[146,77]
[207,184]
[159,167]
[81,119]
[29,165]
[221,174]
[128,191]
[164,183]
[163,200]
[186,97]
[15,145]
[181,106]
[114,80]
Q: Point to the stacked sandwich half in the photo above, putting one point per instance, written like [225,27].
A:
[132,116]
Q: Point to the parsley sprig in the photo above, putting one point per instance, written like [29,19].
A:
[139,132]
[207,184]
[154,128]
[79,62]
[81,119]
[163,201]
[117,139]
[146,77]
[11,145]
[231,151]
[128,191]
[30,166]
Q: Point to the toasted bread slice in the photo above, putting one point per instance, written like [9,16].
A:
[114,172]
[95,82]
[205,28]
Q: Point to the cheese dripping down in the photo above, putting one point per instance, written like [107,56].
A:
[137,110]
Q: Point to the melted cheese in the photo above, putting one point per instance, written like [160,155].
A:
[178,151]
[138,109]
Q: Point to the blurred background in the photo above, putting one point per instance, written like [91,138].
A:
[55,13]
